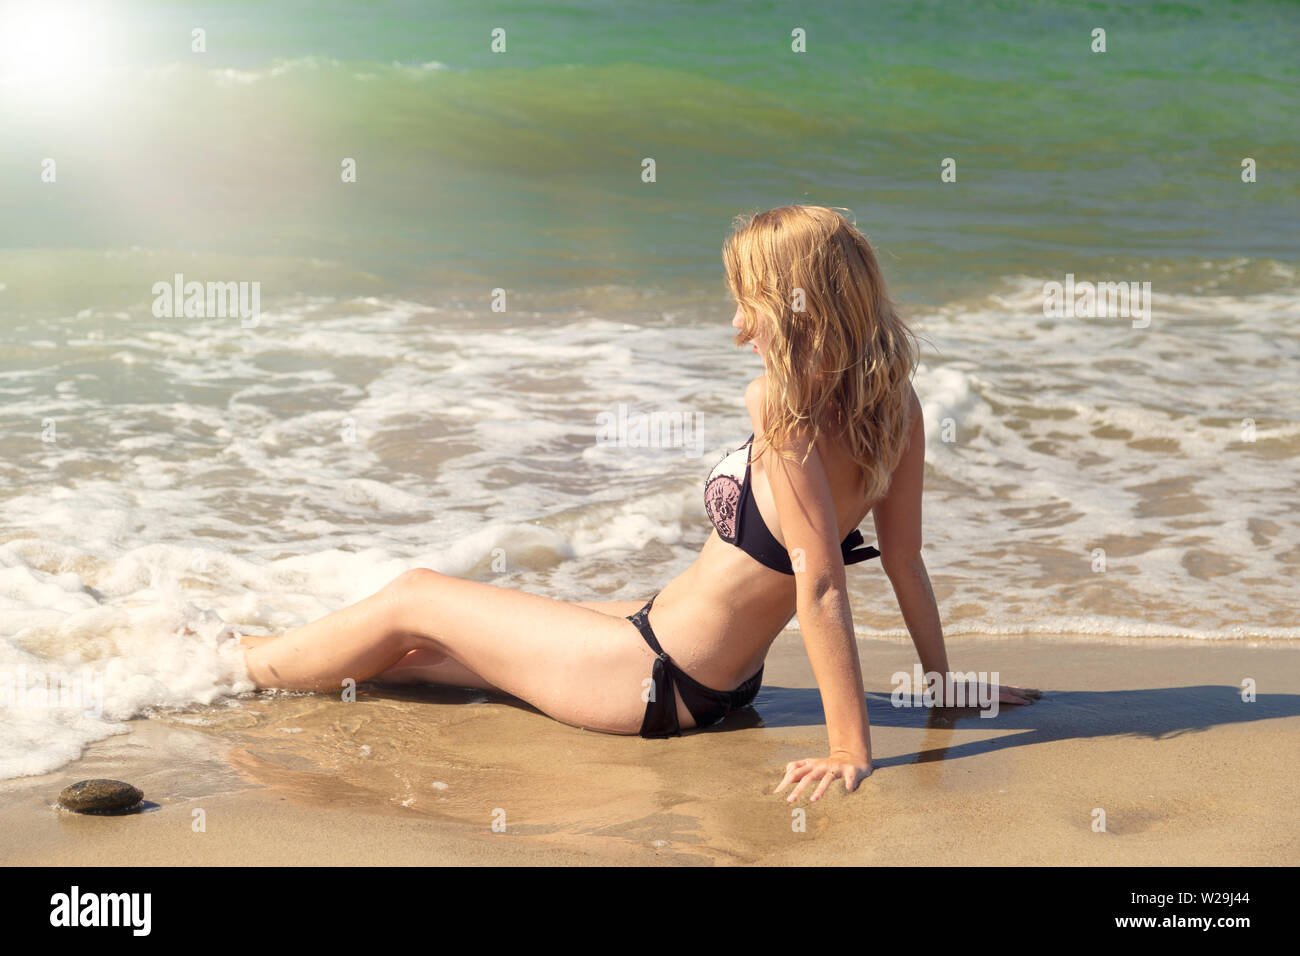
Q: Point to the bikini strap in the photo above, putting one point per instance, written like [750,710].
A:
[661,715]
[642,621]
[852,553]
[847,546]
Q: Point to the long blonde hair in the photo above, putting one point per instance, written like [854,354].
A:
[843,364]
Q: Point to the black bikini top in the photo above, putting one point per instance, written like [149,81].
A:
[730,506]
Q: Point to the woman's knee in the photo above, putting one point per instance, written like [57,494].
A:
[410,598]
[414,579]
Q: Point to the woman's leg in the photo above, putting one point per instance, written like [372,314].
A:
[576,664]
[614,608]
[433,667]
[437,667]
[357,641]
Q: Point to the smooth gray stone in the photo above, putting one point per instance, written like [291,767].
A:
[100,796]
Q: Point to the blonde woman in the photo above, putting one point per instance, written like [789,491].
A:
[839,435]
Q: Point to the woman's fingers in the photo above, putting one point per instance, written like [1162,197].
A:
[791,769]
[1018,695]
[822,772]
[827,777]
[811,773]
[794,794]
[807,774]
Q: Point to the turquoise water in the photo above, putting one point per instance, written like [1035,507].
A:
[522,169]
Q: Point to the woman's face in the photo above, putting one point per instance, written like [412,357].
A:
[759,341]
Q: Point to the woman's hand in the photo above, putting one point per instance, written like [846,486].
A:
[972,693]
[1017,695]
[853,768]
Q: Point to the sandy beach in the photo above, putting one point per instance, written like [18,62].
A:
[1153,732]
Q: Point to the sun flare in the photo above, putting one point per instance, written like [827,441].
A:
[51,44]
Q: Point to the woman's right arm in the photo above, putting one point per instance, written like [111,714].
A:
[915,597]
[897,518]
[898,536]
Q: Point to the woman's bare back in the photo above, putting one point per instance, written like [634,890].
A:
[720,616]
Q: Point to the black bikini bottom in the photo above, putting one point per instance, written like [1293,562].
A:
[706,705]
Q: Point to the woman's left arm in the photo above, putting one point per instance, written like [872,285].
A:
[806,510]
[826,623]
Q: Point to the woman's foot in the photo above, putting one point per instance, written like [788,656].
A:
[247,640]
[250,641]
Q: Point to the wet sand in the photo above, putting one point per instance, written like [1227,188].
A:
[1152,732]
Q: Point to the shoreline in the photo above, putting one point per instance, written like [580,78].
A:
[1157,737]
